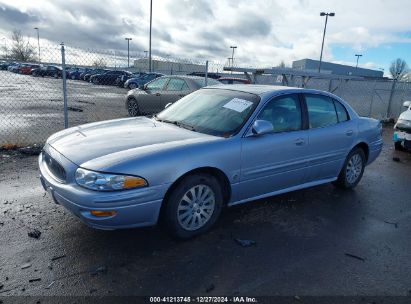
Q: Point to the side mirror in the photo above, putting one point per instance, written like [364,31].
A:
[406,104]
[261,127]
[167,105]
[142,87]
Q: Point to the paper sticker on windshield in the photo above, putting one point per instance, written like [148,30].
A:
[237,104]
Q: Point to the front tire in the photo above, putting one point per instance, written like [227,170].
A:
[193,206]
[398,146]
[352,170]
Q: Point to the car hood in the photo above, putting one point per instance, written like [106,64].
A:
[127,138]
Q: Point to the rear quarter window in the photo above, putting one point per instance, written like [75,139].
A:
[342,113]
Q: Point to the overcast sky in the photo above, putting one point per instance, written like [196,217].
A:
[265,31]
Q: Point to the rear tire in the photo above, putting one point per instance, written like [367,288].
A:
[133,108]
[193,207]
[353,169]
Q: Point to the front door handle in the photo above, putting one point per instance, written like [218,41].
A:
[299,141]
[349,132]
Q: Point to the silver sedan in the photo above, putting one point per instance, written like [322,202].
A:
[155,95]
[219,146]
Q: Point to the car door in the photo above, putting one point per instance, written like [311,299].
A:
[151,102]
[277,160]
[331,136]
[176,88]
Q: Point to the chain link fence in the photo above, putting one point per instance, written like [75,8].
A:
[36,101]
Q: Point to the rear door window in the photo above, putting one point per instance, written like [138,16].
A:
[176,84]
[321,111]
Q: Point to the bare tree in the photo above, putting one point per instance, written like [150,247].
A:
[398,69]
[281,65]
[21,48]
[99,63]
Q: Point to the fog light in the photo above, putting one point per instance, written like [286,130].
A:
[102,213]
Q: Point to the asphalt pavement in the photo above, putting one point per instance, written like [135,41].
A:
[321,241]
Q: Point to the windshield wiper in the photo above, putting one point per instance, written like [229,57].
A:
[175,122]
[185,126]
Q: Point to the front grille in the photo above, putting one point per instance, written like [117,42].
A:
[54,167]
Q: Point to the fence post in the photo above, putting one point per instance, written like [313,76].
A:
[391,97]
[206,73]
[63,66]
[372,98]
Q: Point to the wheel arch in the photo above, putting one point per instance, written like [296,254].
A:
[213,171]
[364,146]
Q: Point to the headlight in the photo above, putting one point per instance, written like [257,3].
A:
[106,181]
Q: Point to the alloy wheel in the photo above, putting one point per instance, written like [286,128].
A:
[354,168]
[196,207]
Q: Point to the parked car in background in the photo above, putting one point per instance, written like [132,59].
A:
[28,68]
[216,147]
[12,65]
[136,82]
[402,129]
[75,74]
[86,76]
[15,67]
[4,65]
[107,78]
[48,70]
[233,80]
[123,78]
[209,75]
[155,95]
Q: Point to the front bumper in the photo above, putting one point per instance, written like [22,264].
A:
[402,136]
[134,208]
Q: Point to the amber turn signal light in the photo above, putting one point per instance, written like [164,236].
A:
[102,213]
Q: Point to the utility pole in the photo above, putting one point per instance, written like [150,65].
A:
[232,58]
[358,57]
[149,47]
[5,46]
[325,29]
[38,41]
[128,51]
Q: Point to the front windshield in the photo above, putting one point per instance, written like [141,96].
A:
[216,112]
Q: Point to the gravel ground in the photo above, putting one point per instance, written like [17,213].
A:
[319,241]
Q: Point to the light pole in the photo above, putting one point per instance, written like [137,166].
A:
[149,47]
[38,41]
[358,57]
[128,51]
[325,28]
[232,58]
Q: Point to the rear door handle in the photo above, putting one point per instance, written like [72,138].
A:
[299,142]
[349,132]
